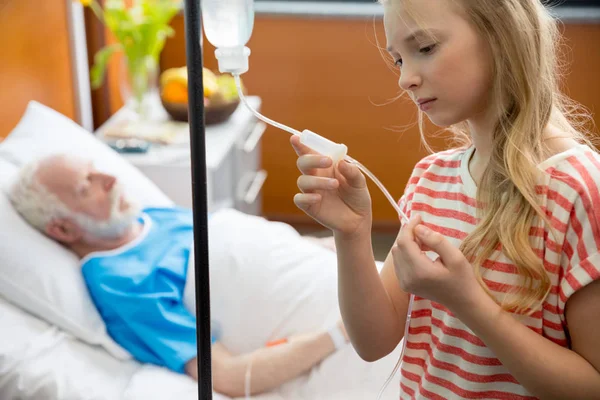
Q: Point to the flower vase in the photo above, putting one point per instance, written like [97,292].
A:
[139,87]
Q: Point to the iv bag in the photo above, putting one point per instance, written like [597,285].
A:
[228,23]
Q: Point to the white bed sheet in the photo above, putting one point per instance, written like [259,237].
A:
[38,361]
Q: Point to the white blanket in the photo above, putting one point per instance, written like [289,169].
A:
[266,282]
[37,361]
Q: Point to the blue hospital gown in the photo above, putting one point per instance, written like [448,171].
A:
[138,290]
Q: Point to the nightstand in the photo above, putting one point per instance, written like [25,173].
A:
[234,176]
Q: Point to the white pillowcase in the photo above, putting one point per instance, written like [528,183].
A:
[43,131]
[36,273]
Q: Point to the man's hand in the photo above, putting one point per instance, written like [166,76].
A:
[271,366]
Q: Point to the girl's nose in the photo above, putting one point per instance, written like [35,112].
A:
[409,78]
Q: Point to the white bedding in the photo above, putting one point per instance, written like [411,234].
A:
[38,361]
[269,284]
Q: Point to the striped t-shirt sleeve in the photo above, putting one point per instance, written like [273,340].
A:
[580,262]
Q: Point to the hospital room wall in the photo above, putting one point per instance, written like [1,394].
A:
[327,75]
[35,62]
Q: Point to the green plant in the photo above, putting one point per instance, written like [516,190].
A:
[140,28]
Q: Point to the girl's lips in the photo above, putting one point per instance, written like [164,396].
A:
[426,105]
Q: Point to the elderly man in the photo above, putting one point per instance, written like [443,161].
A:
[138,267]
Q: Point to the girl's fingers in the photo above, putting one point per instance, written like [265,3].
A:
[309,163]
[423,246]
[299,148]
[308,183]
[306,200]
[352,174]
[407,234]
[407,246]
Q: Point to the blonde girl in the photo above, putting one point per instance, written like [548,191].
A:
[502,247]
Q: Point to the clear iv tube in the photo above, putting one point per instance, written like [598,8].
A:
[259,115]
[347,158]
[383,190]
[395,370]
[379,185]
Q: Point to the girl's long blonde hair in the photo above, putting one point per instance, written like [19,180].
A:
[524,43]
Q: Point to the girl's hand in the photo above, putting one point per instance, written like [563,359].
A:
[449,280]
[335,196]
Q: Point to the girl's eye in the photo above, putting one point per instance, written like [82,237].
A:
[428,49]
[424,50]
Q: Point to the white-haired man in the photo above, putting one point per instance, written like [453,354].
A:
[135,264]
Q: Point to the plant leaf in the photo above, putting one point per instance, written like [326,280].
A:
[100,60]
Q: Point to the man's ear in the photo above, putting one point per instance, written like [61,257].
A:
[64,230]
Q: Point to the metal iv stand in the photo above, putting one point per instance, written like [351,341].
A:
[193,46]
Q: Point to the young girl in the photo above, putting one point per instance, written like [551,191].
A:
[502,247]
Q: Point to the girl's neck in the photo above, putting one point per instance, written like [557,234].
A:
[480,129]
[481,137]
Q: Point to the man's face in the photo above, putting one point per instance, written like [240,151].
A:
[96,201]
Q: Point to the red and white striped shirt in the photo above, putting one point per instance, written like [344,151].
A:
[443,358]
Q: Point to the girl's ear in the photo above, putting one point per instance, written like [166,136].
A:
[64,230]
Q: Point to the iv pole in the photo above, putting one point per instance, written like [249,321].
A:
[193,49]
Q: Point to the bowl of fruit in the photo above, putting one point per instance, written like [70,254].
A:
[221,97]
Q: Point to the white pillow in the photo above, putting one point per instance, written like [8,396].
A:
[36,273]
[43,131]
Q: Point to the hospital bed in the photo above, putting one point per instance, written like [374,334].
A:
[54,345]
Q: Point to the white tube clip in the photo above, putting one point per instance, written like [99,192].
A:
[324,146]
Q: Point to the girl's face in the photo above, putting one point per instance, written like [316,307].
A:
[454,69]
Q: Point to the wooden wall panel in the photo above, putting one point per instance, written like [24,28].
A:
[96,39]
[327,75]
[34,41]
[582,80]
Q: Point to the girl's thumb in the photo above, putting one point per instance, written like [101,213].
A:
[352,174]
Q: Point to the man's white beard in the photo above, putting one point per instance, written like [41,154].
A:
[118,222]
